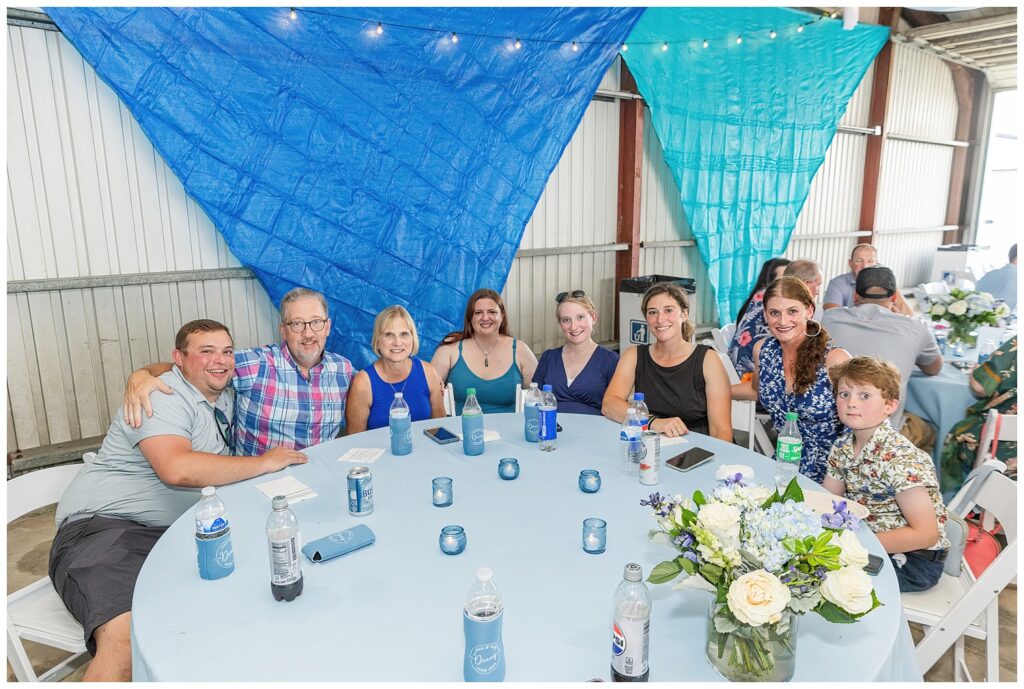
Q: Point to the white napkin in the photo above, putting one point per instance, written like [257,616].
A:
[729,470]
[362,455]
[489,435]
[678,440]
[288,486]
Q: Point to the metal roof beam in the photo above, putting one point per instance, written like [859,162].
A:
[996,45]
[964,26]
[987,57]
[1001,61]
[978,38]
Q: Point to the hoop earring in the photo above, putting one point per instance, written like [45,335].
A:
[809,321]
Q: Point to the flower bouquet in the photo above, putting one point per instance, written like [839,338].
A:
[768,558]
[965,310]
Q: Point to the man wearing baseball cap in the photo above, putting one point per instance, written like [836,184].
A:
[871,328]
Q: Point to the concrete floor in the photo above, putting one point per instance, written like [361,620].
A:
[28,547]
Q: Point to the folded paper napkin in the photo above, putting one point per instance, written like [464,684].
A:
[337,544]
[725,471]
[489,435]
[678,440]
[288,486]
[362,455]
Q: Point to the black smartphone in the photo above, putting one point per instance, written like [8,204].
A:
[874,565]
[693,457]
[441,436]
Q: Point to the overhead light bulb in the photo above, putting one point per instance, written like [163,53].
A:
[455,37]
[833,14]
[800,29]
[575,48]
[739,39]
[293,14]
[625,47]
[705,43]
[664,47]
[773,34]
[380,28]
[518,44]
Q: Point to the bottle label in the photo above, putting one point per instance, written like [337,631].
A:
[485,658]
[214,525]
[789,450]
[548,425]
[284,561]
[631,639]
[532,421]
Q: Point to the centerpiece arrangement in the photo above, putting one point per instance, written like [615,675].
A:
[965,310]
[768,558]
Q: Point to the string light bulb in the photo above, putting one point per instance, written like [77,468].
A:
[625,47]
[293,14]
[739,39]
[705,43]
[518,44]
[455,37]
[773,34]
[575,48]
[380,28]
[664,47]
[800,29]
[833,14]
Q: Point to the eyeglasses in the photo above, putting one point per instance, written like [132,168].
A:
[224,428]
[316,325]
[575,294]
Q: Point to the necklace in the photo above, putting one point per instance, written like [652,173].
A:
[487,352]
[404,382]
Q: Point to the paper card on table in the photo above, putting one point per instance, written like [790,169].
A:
[288,486]
[678,440]
[489,435]
[362,455]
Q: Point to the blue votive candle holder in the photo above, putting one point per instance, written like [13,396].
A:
[590,480]
[508,468]
[595,535]
[452,540]
[442,491]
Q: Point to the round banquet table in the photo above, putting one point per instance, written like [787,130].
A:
[393,610]
[941,400]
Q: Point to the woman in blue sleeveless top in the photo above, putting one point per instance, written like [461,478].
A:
[485,356]
[373,389]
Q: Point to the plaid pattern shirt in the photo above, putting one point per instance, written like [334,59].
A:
[275,405]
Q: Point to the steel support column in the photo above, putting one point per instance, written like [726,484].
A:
[631,152]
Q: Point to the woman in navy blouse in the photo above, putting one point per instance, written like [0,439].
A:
[578,372]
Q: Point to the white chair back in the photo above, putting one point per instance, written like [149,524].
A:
[520,399]
[719,341]
[998,427]
[449,400]
[729,331]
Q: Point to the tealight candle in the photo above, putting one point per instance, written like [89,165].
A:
[442,487]
[508,468]
[590,481]
[452,540]
[595,535]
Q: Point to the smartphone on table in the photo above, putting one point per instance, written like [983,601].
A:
[441,436]
[690,459]
[874,565]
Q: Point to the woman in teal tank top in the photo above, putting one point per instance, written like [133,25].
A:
[485,356]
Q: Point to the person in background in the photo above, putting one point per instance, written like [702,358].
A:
[791,372]
[750,325]
[117,506]
[840,288]
[871,328]
[810,272]
[995,383]
[483,355]
[1001,283]
[877,467]
[291,395]
[397,369]
[685,385]
[579,371]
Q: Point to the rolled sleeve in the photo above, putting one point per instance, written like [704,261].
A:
[248,363]
[171,416]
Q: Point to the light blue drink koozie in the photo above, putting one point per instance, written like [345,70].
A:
[473,434]
[215,556]
[531,427]
[400,428]
[485,653]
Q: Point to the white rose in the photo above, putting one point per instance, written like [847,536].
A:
[849,588]
[958,308]
[1002,310]
[853,554]
[938,310]
[758,598]
[725,471]
[723,521]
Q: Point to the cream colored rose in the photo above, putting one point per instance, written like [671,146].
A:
[849,588]
[1003,310]
[958,308]
[938,310]
[723,521]
[758,598]
[853,554]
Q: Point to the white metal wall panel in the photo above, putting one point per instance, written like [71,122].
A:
[922,101]
[88,195]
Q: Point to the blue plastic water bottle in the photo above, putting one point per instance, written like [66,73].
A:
[472,425]
[213,537]
[400,426]
[481,621]
[531,422]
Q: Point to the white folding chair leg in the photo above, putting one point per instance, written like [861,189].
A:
[992,641]
[18,659]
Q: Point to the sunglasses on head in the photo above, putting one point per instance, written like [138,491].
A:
[575,294]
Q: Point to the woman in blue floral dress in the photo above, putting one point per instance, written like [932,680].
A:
[791,371]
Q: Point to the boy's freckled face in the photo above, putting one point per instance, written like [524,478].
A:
[862,406]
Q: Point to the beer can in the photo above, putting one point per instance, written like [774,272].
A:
[650,457]
[949,277]
[360,491]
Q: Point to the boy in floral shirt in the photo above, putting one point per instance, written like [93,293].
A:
[879,468]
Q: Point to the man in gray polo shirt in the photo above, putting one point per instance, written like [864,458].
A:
[871,328]
[116,508]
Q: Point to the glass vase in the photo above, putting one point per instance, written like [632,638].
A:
[963,334]
[751,654]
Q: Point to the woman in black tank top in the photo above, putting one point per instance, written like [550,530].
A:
[685,385]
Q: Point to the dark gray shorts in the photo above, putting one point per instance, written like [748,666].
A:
[94,563]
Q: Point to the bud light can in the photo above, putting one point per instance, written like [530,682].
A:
[360,491]
[650,457]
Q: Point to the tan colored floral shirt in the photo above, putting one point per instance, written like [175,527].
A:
[888,465]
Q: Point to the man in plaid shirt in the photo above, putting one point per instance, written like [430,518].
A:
[291,395]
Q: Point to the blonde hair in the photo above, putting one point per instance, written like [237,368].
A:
[869,370]
[384,318]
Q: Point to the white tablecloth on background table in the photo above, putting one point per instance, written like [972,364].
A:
[393,611]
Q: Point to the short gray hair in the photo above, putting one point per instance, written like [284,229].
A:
[804,269]
[302,293]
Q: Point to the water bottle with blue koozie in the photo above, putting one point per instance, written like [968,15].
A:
[484,659]
[472,425]
[213,537]
[400,426]
[548,420]
[531,420]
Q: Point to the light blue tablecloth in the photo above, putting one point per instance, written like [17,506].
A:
[941,400]
[393,611]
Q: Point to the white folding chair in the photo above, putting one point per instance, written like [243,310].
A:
[998,427]
[449,400]
[520,399]
[729,331]
[721,339]
[960,605]
[36,613]
[744,414]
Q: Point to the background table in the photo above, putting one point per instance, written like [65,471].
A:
[393,611]
[941,400]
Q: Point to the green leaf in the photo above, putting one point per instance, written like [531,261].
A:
[711,572]
[772,499]
[833,613]
[699,499]
[688,566]
[665,571]
[688,517]
[793,492]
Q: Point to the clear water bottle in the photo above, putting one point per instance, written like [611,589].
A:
[631,627]
[472,425]
[642,412]
[283,540]
[632,446]
[548,420]
[531,422]
[213,537]
[986,351]
[400,426]
[481,621]
[788,450]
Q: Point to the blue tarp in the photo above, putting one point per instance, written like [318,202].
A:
[398,167]
[745,126]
